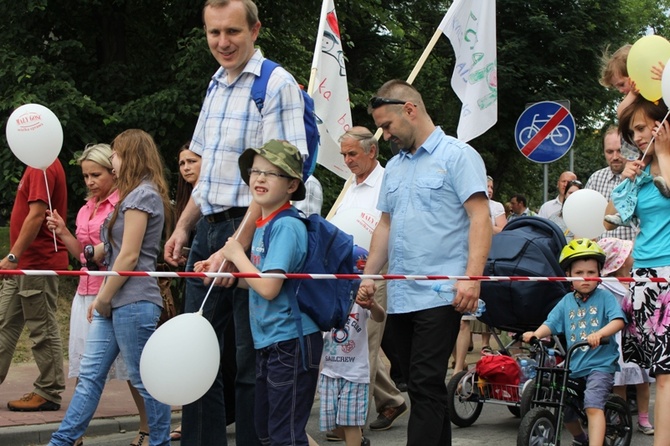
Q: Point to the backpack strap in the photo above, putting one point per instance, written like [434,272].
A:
[292,291]
[260,85]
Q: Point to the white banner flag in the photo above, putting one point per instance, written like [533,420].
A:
[470,25]
[330,91]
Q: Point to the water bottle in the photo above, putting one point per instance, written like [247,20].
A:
[550,358]
[531,370]
[523,365]
[446,292]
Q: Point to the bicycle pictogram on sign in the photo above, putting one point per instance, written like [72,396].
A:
[545,132]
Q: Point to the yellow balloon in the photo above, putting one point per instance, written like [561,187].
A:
[645,54]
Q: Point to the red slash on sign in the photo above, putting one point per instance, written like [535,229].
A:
[546,129]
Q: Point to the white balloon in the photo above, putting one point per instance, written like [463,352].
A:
[35,135]
[359,223]
[665,84]
[583,213]
[180,360]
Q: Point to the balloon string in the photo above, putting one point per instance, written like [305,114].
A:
[237,234]
[53,231]
[653,138]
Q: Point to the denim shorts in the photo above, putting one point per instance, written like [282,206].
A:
[598,389]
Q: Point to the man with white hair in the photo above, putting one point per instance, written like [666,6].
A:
[360,148]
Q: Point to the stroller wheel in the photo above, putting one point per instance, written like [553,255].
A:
[538,428]
[464,400]
[619,427]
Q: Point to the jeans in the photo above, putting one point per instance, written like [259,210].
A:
[424,341]
[204,421]
[127,331]
[285,390]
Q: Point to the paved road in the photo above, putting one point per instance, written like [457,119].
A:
[495,425]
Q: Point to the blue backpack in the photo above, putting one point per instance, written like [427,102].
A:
[327,302]
[258,91]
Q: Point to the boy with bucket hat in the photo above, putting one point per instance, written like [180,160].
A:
[284,388]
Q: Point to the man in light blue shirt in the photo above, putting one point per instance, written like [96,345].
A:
[435,221]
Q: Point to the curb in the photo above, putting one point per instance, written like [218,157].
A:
[41,433]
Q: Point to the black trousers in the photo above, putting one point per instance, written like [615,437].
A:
[424,341]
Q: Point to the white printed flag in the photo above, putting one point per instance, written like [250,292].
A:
[470,25]
[330,91]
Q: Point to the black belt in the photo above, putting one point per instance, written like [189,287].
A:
[226,215]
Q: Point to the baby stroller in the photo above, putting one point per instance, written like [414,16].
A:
[496,379]
[530,247]
[552,391]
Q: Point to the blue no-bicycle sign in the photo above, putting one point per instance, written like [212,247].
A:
[545,132]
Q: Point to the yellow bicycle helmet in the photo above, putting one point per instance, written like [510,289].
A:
[580,249]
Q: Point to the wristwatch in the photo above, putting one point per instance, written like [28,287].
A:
[12,258]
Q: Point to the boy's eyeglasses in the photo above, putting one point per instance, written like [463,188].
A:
[270,175]
[377,102]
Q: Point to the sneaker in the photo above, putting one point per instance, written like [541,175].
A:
[632,406]
[365,441]
[386,418]
[647,430]
[32,402]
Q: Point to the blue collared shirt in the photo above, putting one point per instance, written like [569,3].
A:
[229,123]
[424,194]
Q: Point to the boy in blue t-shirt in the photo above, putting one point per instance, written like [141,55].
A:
[588,313]
[284,388]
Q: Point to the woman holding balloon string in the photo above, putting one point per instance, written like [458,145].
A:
[189,173]
[646,339]
[100,180]
[125,312]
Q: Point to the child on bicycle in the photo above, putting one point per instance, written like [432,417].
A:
[587,313]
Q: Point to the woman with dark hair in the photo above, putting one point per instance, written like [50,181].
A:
[646,338]
[189,172]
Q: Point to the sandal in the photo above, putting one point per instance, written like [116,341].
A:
[140,441]
[486,351]
[175,435]
[79,442]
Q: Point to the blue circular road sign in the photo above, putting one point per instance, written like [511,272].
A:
[545,132]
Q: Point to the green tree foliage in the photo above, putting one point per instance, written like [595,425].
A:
[104,66]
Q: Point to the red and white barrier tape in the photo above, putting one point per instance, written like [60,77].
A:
[326,276]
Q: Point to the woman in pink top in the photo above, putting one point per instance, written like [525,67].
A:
[100,180]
